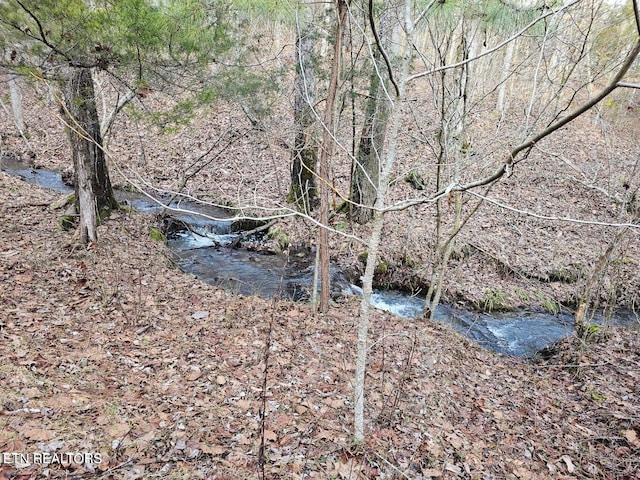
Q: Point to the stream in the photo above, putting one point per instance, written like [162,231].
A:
[203,249]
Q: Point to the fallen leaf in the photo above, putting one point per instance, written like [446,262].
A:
[431,472]
[632,437]
[119,430]
[211,449]
[38,434]
[569,463]
[244,404]
[450,467]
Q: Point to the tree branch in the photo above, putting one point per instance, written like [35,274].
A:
[628,85]
[44,40]
[372,23]
[497,47]
[505,168]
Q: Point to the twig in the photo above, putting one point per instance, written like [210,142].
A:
[244,235]
[263,406]
[391,465]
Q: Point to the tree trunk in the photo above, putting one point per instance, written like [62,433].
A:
[376,233]
[453,96]
[365,171]
[580,320]
[303,189]
[16,104]
[366,168]
[327,153]
[506,74]
[94,194]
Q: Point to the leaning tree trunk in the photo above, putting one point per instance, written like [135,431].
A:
[303,190]
[94,194]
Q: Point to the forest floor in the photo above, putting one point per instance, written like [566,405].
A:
[112,350]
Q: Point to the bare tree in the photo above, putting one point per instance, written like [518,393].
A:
[326,153]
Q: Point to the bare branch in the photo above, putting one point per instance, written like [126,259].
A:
[497,47]
[628,85]
[506,167]
[372,23]
[108,119]
[555,217]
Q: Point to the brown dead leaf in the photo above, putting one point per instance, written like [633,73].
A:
[244,404]
[14,445]
[211,449]
[32,392]
[119,430]
[431,473]
[102,420]
[450,467]
[271,436]
[23,278]
[194,375]
[632,437]
[335,403]
[38,434]
[6,472]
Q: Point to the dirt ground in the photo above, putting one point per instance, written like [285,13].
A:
[111,350]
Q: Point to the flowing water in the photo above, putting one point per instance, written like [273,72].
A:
[203,248]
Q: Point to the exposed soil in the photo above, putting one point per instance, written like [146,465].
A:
[110,349]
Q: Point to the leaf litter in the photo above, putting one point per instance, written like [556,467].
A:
[112,349]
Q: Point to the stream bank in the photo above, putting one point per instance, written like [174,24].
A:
[205,248]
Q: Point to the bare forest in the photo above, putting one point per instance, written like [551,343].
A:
[203,202]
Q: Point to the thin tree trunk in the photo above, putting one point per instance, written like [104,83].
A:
[580,321]
[453,150]
[16,104]
[94,193]
[376,234]
[326,153]
[506,73]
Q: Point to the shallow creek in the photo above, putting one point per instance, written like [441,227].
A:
[202,248]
